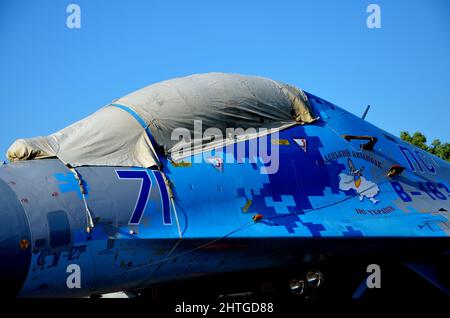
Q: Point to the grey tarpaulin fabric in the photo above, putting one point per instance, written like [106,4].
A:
[108,137]
[114,137]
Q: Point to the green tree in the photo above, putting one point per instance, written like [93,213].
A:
[442,150]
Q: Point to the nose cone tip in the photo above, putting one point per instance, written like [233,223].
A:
[15,244]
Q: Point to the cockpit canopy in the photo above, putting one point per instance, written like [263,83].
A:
[131,130]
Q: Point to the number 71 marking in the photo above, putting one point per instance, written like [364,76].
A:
[144,193]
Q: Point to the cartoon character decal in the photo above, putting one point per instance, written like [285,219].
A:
[355,180]
[356,173]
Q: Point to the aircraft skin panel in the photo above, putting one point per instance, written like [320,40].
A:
[14,240]
[324,187]
[323,205]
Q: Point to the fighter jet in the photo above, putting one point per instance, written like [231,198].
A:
[215,175]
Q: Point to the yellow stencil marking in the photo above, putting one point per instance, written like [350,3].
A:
[182,164]
[283,142]
[247,206]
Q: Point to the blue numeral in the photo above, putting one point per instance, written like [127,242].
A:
[144,192]
[443,186]
[167,220]
[400,192]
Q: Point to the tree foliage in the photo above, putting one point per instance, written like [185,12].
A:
[442,150]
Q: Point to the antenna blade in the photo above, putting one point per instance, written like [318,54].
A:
[365,112]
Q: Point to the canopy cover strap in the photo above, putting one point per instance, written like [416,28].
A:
[142,122]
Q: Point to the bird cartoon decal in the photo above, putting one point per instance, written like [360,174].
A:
[356,181]
[356,173]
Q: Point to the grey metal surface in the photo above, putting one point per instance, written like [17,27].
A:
[15,238]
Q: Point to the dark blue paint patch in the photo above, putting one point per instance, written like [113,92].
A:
[294,167]
[315,229]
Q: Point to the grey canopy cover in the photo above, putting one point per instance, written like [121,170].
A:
[113,136]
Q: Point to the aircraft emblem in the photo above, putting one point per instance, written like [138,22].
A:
[216,162]
[302,143]
[356,181]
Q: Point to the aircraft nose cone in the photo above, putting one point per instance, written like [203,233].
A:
[15,244]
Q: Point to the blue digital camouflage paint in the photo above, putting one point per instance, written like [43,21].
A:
[220,215]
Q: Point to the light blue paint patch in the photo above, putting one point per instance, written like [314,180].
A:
[68,183]
[352,232]
[328,197]
[281,206]
[323,114]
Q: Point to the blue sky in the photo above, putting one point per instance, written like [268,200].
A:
[51,76]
